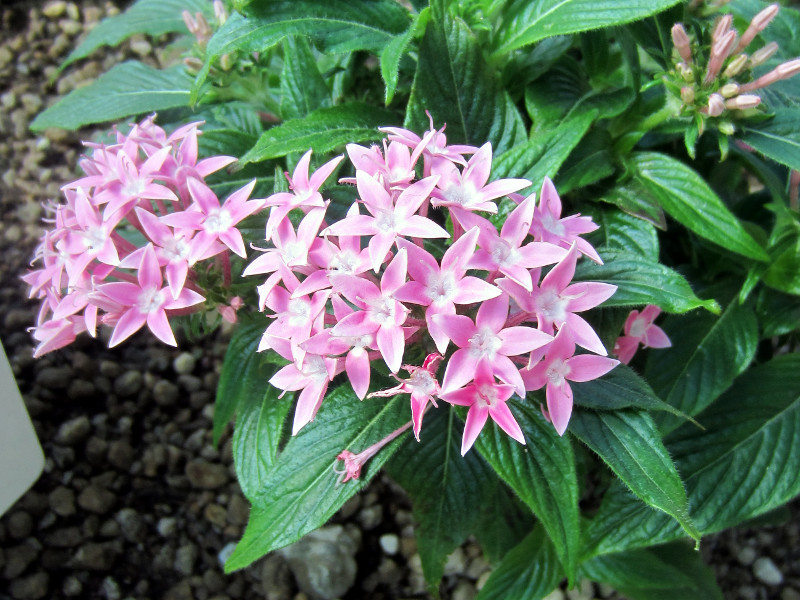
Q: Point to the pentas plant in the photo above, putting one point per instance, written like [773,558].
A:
[344,294]
[93,272]
[567,325]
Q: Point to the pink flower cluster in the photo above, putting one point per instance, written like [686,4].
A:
[142,214]
[367,287]
[640,330]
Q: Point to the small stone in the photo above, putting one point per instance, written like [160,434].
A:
[166,526]
[205,475]
[54,10]
[185,558]
[111,589]
[482,580]
[68,537]
[323,562]
[476,567]
[216,515]
[72,586]
[767,572]
[184,363]
[180,591]
[96,451]
[17,560]
[584,591]
[55,378]
[390,543]
[80,388]
[132,525]
[96,557]
[141,47]
[790,594]
[371,516]
[6,56]
[96,499]
[62,501]
[165,393]
[456,563]
[30,588]
[748,592]
[556,594]
[73,431]
[20,525]
[464,590]
[238,510]
[746,556]
[226,552]
[213,581]
[120,455]
[276,579]
[128,384]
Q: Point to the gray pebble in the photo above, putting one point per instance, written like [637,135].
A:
[96,499]
[371,516]
[746,556]
[767,572]
[67,537]
[20,525]
[55,9]
[464,590]
[17,560]
[80,388]
[132,525]
[96,557]
[111,589]
[226,552]
[30,588]
[165,393]
[205,475]
[129,383]
[390,543]
[184,363]
[323,562]
[456,563]
[276,579]
[73,431]
[185,557]
[55,378]
[72,586]
[166,526]
[120,455]
[790,594]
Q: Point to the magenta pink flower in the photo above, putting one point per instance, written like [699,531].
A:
[487,340]
[559,366]
[485,398]
[146,302]
[639,329]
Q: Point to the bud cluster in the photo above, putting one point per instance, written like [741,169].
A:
[720,84]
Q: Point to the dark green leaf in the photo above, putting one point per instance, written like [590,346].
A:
[129,88]
[588,163]
[526,22]
[642,281]
[530,571]
[629,443]
[394,51]
[707,354]
[152,17]
[458,87]
[777,138]
[622,231]
[302,491]
[257,434]
[543,475]
[448,491]
[778,314]
[323,130]
[303,90]
[636,199]
[664,572]
[503,524]
[686,197]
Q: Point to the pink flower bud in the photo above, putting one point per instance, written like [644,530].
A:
[729,90]
[716,105]
[788,69]
[682,43]
[735,66]
[687,95]
[719,52]
[721,28]
[782,71]
[763,54]
[743,102]
[757,25]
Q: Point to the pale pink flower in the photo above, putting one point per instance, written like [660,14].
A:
[639,329]
[485,398]
[559,366]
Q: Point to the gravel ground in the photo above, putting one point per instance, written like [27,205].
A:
[134,501]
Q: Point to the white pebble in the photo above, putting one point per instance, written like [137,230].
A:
[389,543]
[766,571]
[746,556]
[226,552]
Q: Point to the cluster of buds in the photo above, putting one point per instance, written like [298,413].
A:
[721,86]
[202,30]
[96,269]
[498,309]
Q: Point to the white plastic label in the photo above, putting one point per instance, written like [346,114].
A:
[21,458]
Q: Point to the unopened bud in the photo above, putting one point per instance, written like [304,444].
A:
[682,43]
[193,64]
[226,61]
[719,52]
[686,72]
[757,25]
[721,28]
[716,105]
[788,69]
[220,13]
[191,24]
[782,71]
[763,54]
[726,127]
[687,95]
[743,102]
[735,66]
[729,90]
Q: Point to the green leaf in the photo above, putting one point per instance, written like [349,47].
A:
[244,375]
[664,572]
[629,443]
[530,571]
[394,51]
[458,87]
[686,197]
[642,281]
[129,88]
[302,491]
[634,198]
[503,523]
[588,163]
[334,25]
[323,130]
[448,491]
[622,231]
[543,475]
[151,17]
[778,314]
[257,434]
[777,138]
[620,388]
[303,89]
[525,22]
[707,354]
[742,465]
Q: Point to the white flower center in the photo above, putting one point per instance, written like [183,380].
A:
[386,221]
[553,225]
[345,262]
[150,300]
[551,306]
[219,220]
[383,310]
[487,396]
[293,251]
[423,381]
[557,372]
[484,342]
[299,312]
[503,254]
[441,287]
[94,238]
[638,327]
[464,194]
[175,249]
[134,188]
[314,367]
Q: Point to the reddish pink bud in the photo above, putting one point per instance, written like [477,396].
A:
[721,28]
[743,102]
[682,43]
[719,52]
[763,54]
[716,105]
